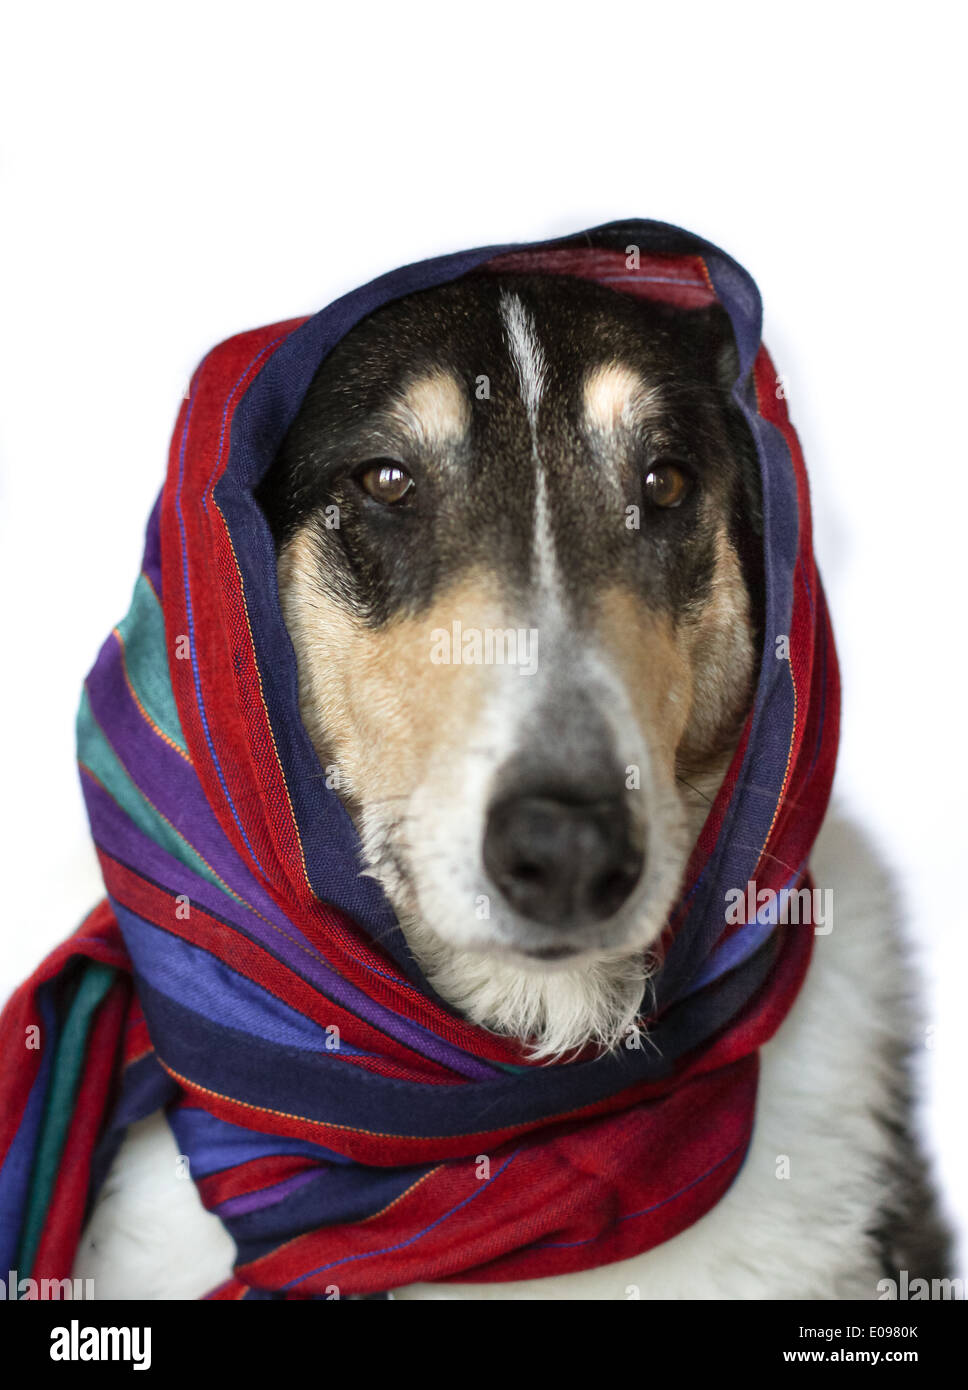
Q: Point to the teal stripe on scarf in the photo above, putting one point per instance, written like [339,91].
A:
[96,753]
[142,631]
[59,1108]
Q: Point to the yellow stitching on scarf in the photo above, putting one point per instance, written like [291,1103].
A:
[293,1240]
[349,1129]
[412,1188]
[147,717]
[147,578]
[709,278]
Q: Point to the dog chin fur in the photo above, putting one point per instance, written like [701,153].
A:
[556,1007]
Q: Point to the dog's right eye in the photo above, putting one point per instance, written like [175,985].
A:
[385,481]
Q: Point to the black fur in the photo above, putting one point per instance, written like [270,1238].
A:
[477,504]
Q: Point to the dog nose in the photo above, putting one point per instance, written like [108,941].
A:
[562,863]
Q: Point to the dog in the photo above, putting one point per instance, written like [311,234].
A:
[518,527]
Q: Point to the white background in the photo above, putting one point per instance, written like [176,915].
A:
[173,174]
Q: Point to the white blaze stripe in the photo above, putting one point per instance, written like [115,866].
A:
[526,354]
[531,368]
[544,542]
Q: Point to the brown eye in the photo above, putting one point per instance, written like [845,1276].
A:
[666,485]
[385,481]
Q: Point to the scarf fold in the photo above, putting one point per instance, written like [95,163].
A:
[351,1131]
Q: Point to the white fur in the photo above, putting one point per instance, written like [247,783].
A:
[527,354]
[531,367]
[824,1078]
[470,959]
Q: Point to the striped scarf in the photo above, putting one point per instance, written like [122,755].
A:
[352,1132]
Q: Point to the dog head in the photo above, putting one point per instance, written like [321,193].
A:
[519,540]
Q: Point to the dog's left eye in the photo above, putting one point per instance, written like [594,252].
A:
[385,481]
[667,485]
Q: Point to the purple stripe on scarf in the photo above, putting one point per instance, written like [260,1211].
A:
[164,777]
[121,839]
[266,1196]
[215,1144]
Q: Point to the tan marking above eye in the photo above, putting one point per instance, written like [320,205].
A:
[666,485]
[613,392]
[385,481]
[433,410]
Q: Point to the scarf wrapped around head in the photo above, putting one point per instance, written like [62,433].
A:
[350,1130]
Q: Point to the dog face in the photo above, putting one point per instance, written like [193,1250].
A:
[518,531]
